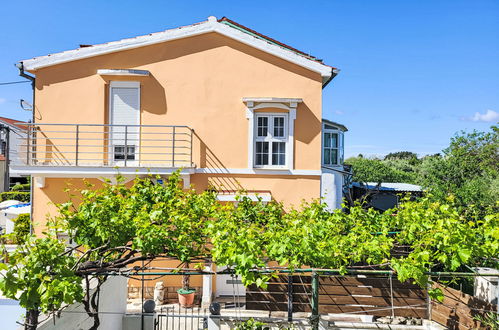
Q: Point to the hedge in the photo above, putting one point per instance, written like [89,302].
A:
[22,196]
[21,187]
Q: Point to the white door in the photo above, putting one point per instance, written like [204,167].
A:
[124,113]
[228,285]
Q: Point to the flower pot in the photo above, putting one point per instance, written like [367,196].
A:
[186,299]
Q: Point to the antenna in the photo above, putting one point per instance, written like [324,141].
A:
[26,105]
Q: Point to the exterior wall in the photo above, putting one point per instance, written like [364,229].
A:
[112,305]
[198,81]
[332,188]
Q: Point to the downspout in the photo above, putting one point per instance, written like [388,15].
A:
[334,73]
[23,74]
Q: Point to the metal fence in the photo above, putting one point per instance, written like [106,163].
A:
[107,145]
[170,318]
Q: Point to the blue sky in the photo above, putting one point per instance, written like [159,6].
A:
[412,72]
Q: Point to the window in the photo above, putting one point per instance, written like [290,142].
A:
[119,152]
[332,146]
[270,140]
[3,148]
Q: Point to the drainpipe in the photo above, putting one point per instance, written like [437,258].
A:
[23,74]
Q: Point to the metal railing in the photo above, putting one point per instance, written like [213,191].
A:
[107,145]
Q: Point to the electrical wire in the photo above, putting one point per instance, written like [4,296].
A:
[14,82]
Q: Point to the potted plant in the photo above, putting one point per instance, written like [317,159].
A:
[186,293]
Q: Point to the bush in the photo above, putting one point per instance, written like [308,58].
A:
[21,228]
[22,196]
[21,187]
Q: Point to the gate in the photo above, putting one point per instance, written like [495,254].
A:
[175,319]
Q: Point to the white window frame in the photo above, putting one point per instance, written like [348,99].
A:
[271,138]
[257,105]
[340,149]
[123,84]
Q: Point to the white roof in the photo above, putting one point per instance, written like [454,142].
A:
[211,25]
[391,186]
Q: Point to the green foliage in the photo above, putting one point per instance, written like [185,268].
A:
[489,320]
[436,235]
[116,225]
[39,274]
[21,187]
[251,324]
[376,170]
[411,157]
[22,225]
[468,170]
[21,196]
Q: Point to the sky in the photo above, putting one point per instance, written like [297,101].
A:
[413,72]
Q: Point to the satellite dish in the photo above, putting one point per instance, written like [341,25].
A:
[26,105]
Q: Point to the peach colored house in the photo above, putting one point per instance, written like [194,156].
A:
[233,109]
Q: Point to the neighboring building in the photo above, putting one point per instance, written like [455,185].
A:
[232,108]
[15,139]
[386,195]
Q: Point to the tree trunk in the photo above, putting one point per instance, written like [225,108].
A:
[186,279]
[31,321]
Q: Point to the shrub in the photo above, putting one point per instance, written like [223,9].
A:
[21,187]
[21,228]
[22,196]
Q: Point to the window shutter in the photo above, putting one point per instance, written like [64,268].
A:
[125,110]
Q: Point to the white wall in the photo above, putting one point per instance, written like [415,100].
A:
[332,188]
[112,305]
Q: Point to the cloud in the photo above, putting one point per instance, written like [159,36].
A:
[338,112]
[489,116]
[2,100]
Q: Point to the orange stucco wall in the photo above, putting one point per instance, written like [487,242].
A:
[199,82]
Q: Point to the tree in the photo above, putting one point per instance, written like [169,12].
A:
[469,170]
[40,275]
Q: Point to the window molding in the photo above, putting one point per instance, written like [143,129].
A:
[339,148]
[288,104]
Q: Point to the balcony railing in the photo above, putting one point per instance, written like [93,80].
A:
[107,145]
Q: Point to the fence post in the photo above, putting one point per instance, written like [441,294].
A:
[314,318]
[290,298]
[173,147]
[77,142]
[428,299]
[126,143]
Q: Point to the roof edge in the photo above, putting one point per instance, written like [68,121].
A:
[211,25]
[340,126]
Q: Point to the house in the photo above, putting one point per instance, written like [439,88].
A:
[229,107]
[12,136]
[385,195]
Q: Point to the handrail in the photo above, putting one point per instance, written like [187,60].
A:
[104,125]
[62,144]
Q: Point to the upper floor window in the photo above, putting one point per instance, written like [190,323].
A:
[332,145]
[271,138]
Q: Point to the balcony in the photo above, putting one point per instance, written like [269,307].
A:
[106,146]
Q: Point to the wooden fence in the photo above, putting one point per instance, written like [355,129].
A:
[459,310]
[341,294]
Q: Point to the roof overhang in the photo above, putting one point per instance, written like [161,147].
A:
[337,125]
[122,72]
[211,25]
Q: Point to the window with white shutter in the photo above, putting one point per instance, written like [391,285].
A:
[124,110]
